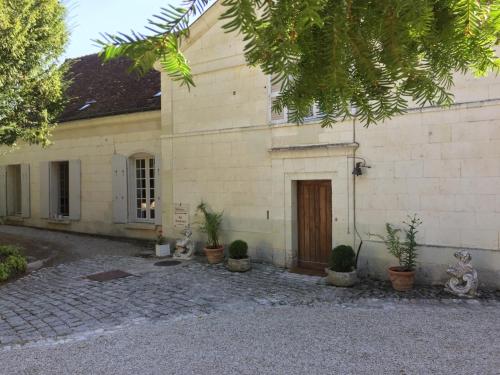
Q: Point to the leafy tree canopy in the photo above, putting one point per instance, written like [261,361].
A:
[32,36]
[369,54]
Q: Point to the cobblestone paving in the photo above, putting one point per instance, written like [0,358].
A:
[59,301]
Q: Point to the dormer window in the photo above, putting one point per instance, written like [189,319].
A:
[87,104]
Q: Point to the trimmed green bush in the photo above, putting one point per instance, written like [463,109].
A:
[238,250]
[12,263]
[342,259]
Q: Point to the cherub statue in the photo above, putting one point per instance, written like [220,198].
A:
[184,248]
[463,281]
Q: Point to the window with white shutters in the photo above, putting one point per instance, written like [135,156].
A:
[283,117]
[136,188]
[3,190]
[274,117]
[14,193]
[15,190]
[60,191]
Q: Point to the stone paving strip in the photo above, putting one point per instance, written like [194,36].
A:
[56,302]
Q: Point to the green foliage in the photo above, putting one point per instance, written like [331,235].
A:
[238,250]
[169,27]
[393,242]
[343,259]
[160,238]
[32,37]
[12,263]
[370,55]
[410,243]
[211,225]
[405,251]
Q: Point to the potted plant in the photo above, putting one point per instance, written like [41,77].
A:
[403,276]
[238,260]
[211,226]
[342,270]
[162,247]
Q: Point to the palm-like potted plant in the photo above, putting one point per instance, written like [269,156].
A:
[342,270]
[238,260]
[211,226]
[403,276]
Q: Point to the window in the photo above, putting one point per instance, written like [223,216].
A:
[62,177]
[282,117]
[14,192]
[144,187]
[136,189]
[60,191]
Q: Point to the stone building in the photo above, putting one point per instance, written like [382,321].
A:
[288,190]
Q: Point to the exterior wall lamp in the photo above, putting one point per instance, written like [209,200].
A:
[358,167]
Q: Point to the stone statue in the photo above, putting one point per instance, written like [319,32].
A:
[184,248]
[463,281]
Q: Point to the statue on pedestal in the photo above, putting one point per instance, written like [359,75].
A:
[184,248]
[463,281]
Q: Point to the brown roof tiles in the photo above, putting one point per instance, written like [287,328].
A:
[104,89]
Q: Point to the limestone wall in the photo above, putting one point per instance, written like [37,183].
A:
[217,145]
[443,164]
[93,142]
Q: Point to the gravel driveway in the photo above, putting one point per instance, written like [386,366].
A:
[321,339]
[196,318]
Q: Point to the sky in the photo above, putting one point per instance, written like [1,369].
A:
[88,18]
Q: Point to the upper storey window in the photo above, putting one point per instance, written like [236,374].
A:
[282,117]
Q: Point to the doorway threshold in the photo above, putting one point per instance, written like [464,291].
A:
[307,271]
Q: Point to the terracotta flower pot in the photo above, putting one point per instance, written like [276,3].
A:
[214,256]
[401,280]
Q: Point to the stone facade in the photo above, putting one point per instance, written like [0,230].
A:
[217,144]
[93,142]
[443,164]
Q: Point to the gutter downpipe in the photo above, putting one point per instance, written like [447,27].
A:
[355,233]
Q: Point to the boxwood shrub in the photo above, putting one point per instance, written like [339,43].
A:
[342,259]
[12,263]
[238,250]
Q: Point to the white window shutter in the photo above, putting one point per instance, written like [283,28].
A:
[119,186]
[274,93]
[158,192]
[3,190]
[25,191]
[44,189]
[74,189]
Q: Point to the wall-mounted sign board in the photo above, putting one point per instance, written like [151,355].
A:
[181,215]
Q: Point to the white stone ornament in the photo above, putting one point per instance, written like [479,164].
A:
[463,281]
[184,248]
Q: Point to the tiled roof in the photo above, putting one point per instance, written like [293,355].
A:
[103,89]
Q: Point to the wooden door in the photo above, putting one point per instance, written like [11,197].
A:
[314,219]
